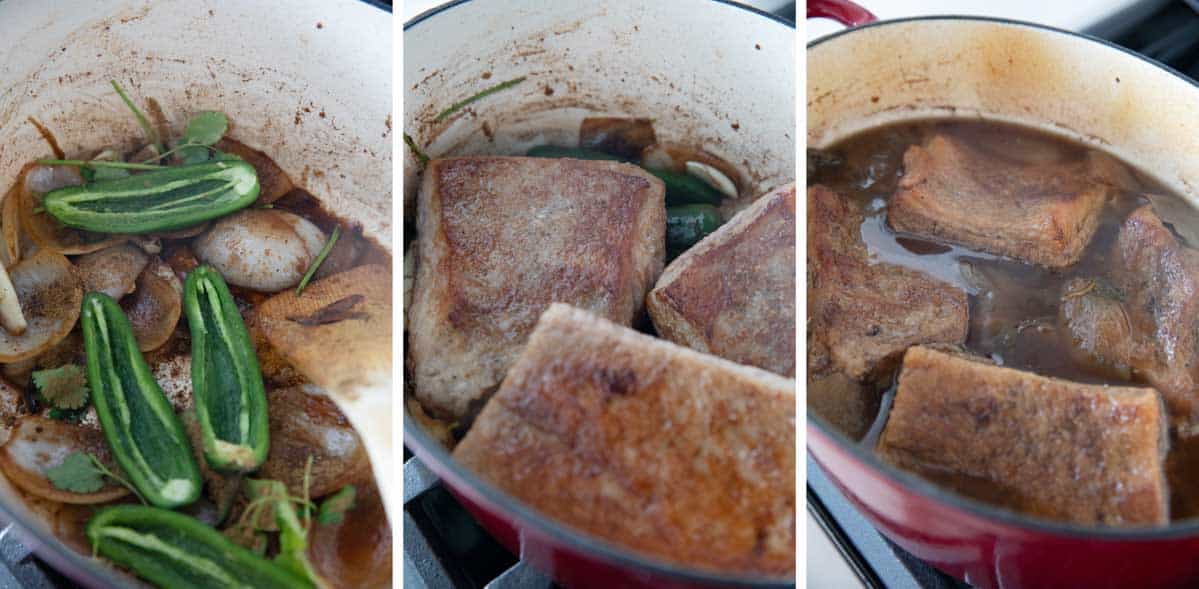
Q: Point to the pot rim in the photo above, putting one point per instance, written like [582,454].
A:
[427,449]
[944,498]
[426,15]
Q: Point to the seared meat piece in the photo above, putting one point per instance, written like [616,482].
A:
[863,314]
[1145,324]
[657,448]
[1160,279]
[1096,327]
[1086,454]
[733,294]
[503,237]
[1041,213]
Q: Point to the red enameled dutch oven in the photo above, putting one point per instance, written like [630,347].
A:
[1065,83]
[712,74]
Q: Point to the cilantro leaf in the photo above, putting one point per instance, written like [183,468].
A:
[76,474]
[64,387]
[206,128]
[333,509]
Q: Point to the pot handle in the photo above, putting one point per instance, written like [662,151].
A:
[842,11]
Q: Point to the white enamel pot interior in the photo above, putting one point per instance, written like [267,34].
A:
[1061,82]
[710,74]
[307,82]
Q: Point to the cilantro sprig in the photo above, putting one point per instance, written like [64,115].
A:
[64,387]
[82,472]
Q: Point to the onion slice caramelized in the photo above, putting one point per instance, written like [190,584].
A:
[155,306]
[38,444]
[50,293]
[112,271]
[42,228]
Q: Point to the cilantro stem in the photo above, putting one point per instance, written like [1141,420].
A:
[108,473]
[151,133]
[177,148]
[420,155]
[101,164]
[320,259]
[443,115]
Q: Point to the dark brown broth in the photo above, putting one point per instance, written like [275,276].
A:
[1013,305]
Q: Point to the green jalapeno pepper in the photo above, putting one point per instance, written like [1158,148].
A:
[577,153]
[226,382]
[175,550]
[146,437]
[687,224]
[160,200]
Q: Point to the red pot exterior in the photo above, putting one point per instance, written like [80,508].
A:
[989,553]
[570,560]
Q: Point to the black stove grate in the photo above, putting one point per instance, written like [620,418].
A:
[444,548]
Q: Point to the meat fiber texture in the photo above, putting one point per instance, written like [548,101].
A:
[863,314]
[1044,213]
[1060,450]
[733,293]
[1145,325]
[500,238]
[682,456]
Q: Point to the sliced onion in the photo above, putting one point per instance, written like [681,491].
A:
[11,408]
[305,422]
[42,228]
[11,316]
[712,177]
[50,293]
[19,371]
[155,306]
[674,157]
[184,233]
[112,271]
[10,222]
[69,350]
[38,444]
[147,243]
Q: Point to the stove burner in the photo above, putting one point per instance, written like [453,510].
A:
[445,548]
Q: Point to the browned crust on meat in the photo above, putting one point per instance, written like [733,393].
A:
[1088,454]
[1038,213]
[662,450]
[862,314]
[503,237]
[733,293]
